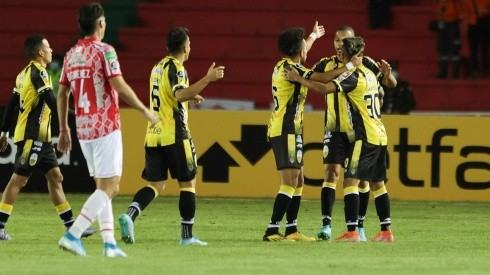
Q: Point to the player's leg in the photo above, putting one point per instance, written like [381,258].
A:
[292,213]
[183,167]
[364,193]
[22,171]
[62,206]
[381,199]
[289,167]
[8,199]
[327,198]
[351,210]
[104,161]
[187,210]
[155,173]
[353,173]
[335,151]
[289,181]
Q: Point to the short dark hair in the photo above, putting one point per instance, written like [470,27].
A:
[346,28]
[32,45]
[176,39]
[353,45]
[290,42]
[88,16]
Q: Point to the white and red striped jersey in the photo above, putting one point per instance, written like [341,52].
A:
[87,68]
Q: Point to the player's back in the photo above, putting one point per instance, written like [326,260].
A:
[34,117]
[87,68]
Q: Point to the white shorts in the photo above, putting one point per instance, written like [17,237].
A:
[104,155]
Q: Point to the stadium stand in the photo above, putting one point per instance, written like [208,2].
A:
[242,36]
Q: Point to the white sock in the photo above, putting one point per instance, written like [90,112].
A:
[90,211]
[106,224]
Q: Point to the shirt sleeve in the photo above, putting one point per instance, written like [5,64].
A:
[40,79]
[177,76]
[371,65]
[346,82]
[303,71]
[111,63]
[63,77]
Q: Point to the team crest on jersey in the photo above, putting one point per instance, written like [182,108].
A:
[181,74]
[114,66]
[44,75]
[33,159]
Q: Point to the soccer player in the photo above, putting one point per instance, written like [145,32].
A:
[91,70]
[367,156]
[339,132]
[169,145]
[34,97]
[285,132]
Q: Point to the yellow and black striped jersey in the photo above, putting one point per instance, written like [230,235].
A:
[167,77]
[361,87]
[337,111]
[34,119]
[289,100]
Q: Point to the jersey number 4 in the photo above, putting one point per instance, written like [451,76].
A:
[83,100]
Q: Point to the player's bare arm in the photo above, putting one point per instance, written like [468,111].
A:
[325,77]
[214,73]
[318,31]
[293,76]
[64,141]
[129,96]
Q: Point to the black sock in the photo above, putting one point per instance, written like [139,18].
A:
[327,202]
[363,205]
[5,214]
[67,218]
[65,213]
[281,205]
[140,201]
[382,203]
[292,215]
[351,202]
[187,208]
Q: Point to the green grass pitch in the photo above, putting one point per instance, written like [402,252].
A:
[430,238]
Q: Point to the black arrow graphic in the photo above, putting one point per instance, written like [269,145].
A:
[253,145]
[216,163]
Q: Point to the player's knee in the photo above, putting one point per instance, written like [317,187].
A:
[375,186]
[159,186]
[332,176]
[363,184]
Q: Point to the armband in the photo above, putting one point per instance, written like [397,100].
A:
[349,66]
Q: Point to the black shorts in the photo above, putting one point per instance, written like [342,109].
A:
[179,158]
[288,151]
[32,155]
[367,162]
[335,148]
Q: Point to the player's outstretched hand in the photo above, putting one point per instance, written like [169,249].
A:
[384,67]
[319,30]
[215,73]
